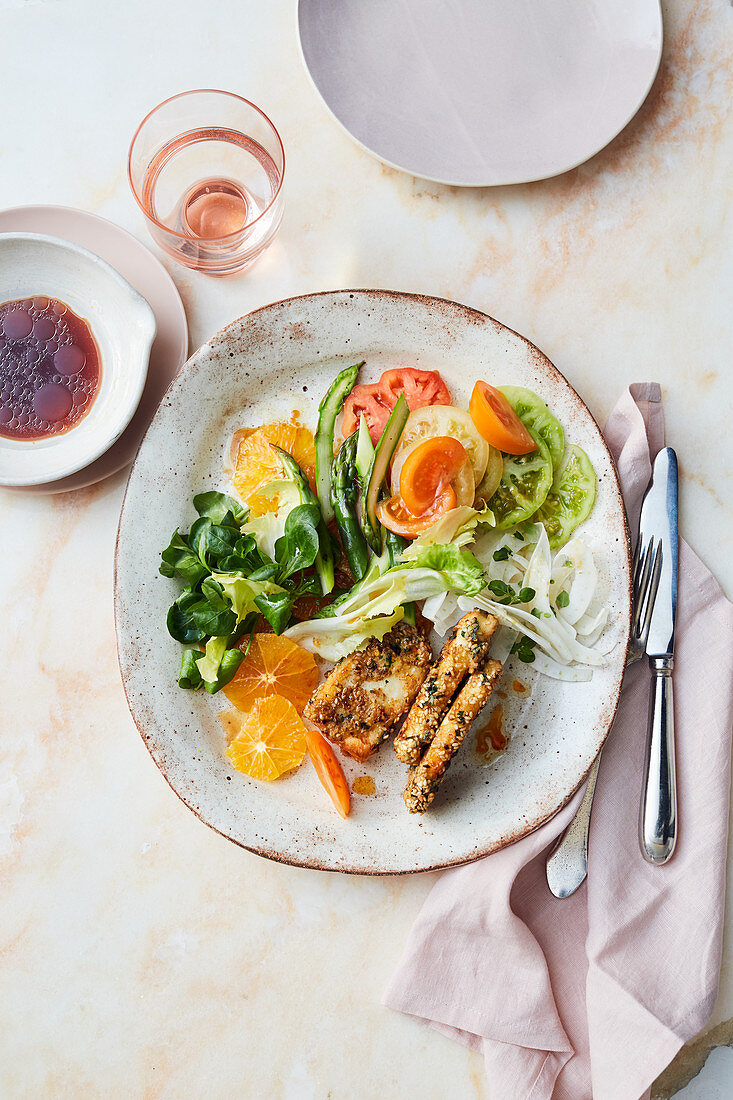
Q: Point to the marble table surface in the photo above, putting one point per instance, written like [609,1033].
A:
[143,955]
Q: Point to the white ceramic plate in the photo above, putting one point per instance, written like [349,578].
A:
[262,367]
[479,92]
[123,326]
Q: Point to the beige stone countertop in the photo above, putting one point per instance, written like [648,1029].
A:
[142,954]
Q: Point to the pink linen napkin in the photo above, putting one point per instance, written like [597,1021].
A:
[595,994]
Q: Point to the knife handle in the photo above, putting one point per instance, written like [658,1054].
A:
[658,818]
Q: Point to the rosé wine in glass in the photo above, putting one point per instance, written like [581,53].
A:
[207,168]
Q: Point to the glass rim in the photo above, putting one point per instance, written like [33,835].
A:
[182,95]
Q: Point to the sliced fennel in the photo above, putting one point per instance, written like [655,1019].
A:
[565,636]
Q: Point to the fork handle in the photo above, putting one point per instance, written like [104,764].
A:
[567,863]
[658,818]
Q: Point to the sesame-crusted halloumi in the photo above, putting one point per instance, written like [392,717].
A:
[425,778]
[364,696]
[465,650]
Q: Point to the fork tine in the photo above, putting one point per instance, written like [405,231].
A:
[641,582]
[637,568]
[651,592]
[635,559]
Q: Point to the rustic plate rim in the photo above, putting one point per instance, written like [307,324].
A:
[521,831]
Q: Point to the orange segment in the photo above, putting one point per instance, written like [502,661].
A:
[257,463]
[273,666]
[270,741]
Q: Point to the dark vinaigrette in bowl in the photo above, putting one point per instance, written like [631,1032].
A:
[49,368]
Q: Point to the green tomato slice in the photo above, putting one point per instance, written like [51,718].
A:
[570,499]
[534,414]
[525,482]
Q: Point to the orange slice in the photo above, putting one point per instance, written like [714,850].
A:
[270,741]
[257,463]
[273,666]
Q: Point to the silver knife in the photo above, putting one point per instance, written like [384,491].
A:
[658,530]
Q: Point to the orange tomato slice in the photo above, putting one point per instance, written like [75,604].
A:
[497,421]
[428,469]
[329,771]
[396,517]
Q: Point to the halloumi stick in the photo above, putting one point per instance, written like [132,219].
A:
[465,651]
[425,778]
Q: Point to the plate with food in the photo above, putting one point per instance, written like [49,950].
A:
[372,584]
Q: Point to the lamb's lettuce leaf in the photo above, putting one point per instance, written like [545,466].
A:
[220,508]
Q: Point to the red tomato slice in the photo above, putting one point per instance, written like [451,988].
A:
[376,400]
[328,770]
[428,469]
[370,401]
[396,517]
[420,387]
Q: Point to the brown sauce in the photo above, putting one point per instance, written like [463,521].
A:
[50,368]
[490,738]
[363,784]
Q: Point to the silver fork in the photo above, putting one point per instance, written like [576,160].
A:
[567,863]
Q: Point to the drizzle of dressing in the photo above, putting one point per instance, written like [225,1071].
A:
[519,687]
[239,435]
[490,738]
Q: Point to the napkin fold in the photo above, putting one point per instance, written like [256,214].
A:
[592,996]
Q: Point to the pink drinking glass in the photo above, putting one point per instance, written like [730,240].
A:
[207,168]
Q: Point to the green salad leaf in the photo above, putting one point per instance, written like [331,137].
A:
[178,559]
[189,676]
[229,581]
[198,614]
[218,664]
[299,545]
[461,569]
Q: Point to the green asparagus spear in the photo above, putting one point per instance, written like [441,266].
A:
[382,454]
[344,495]
[328,410]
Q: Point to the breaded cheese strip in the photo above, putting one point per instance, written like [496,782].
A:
[425,778]
[364,696]
[465,650]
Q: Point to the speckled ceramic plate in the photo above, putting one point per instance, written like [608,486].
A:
[262,367]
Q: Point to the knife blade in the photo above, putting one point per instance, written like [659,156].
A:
[658,532]
[659,522]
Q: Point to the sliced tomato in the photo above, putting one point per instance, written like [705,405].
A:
[377,399]
[395,516]
[440,420]
[329,771]
[497,421]
[420,387]
[428,469]
[369,400]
